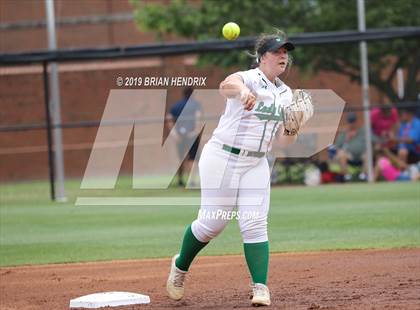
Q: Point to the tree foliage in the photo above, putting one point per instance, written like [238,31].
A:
[201,20]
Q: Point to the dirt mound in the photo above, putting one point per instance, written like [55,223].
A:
[371,279]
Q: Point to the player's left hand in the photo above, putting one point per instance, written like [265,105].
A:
[297,113]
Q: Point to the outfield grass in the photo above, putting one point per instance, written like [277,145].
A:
[34,230]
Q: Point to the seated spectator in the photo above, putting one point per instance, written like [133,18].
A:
[409,137]
[327,176]
[384,120]
[350,147]
[392,168]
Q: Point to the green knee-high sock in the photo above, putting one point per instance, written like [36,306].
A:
[256,255]
[190,248]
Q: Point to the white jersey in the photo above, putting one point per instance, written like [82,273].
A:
[254,130]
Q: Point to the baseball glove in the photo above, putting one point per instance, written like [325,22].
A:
[297,113]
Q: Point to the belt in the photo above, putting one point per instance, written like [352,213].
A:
[235,150]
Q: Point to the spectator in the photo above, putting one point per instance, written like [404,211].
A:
[186,128]
[392,168]
[409,137]
[384,121]
[350,147]
[327,176]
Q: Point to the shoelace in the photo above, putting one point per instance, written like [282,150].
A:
[259,290]
[179,279]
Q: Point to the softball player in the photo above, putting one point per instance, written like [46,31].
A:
[234,172]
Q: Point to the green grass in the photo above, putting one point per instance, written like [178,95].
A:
[34,230]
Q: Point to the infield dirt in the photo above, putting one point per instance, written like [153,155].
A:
[367,279]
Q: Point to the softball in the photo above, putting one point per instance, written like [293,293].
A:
[231,31]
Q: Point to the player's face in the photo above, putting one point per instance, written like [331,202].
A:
[278,60]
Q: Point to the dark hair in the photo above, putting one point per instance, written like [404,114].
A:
[387,106]
[351,117]
[188,92]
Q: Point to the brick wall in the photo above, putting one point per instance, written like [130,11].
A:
[85,86]
[68,36]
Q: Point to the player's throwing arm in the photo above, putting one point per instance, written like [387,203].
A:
[234,88]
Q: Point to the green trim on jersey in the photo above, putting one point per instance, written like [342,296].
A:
[272,133]
[262,137]
[268,113]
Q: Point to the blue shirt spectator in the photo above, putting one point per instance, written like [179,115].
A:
[186,124]
[409,135]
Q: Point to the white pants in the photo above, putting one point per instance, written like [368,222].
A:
[232,185]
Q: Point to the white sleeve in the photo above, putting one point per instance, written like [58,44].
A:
[245,78]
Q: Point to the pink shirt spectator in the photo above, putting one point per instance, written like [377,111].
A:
[389,172]
[382,123]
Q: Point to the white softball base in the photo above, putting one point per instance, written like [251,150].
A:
[109,299]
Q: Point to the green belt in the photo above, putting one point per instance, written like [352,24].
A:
[237,151]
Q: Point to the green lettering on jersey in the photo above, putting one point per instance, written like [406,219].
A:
[268,113]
